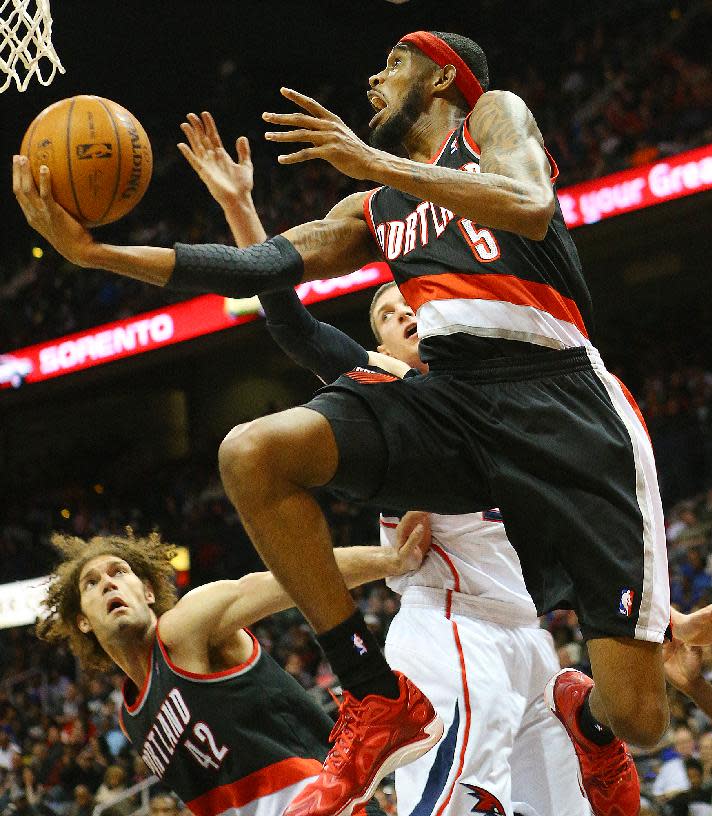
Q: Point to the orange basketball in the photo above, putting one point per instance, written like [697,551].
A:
[98,154]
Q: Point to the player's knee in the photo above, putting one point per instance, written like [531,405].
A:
[247,459]
[642,724]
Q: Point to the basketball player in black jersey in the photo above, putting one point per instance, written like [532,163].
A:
[517,411]
[211,714]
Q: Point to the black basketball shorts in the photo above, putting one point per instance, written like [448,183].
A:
[554,441]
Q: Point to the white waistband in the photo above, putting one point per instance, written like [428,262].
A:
[502,613]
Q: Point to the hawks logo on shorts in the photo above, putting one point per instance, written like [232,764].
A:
[486,802]
[626,605]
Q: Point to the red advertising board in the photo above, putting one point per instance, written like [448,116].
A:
[681,175]
[586,203]
[163,327]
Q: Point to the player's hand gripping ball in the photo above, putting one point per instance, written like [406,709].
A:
[98,154]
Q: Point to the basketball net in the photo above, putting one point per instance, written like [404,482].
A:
[25,39]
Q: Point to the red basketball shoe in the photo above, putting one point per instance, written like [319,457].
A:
[371,738]
[608,773]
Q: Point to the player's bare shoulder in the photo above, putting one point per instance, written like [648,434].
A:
[511,145]
[502,118]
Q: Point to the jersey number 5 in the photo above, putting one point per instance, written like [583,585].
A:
[214,756]
[483,244]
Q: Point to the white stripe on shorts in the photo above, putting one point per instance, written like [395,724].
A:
[654,615]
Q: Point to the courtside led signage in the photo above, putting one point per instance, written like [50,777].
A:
[682,175]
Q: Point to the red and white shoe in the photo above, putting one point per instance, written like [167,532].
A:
[608,773]
[371,738]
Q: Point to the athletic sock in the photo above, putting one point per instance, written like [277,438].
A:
[591,728]
[356,658]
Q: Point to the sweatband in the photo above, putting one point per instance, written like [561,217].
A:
[441,54]
[232,272]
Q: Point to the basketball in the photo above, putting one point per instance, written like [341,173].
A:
[98,154]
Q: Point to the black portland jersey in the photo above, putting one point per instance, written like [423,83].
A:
[223,740]
[473,287]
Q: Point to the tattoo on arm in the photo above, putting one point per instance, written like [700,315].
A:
[509,137]
[316,235]
[332,247]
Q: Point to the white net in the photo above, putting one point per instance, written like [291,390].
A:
[26,48]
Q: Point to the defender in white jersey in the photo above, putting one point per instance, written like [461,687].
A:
[468,635]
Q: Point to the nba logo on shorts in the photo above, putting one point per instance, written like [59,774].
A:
[626,605]
[359,644]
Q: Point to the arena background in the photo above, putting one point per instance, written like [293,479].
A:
[613,86]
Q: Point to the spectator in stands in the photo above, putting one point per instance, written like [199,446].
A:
[8,748]
[164,804]
[113,788]
[672,777]
[19,805]
[705,752]
[679,805]
[84,771]
[83,802]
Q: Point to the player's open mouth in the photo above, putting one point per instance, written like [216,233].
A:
[378,103]
[411,330]
[115,603]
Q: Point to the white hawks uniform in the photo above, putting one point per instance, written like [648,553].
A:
[467,634]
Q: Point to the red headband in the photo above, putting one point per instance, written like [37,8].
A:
[441,54]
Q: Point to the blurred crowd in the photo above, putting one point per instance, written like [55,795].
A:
[629,88]
[677,405]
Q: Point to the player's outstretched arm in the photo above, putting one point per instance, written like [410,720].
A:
[326,248]
[314,345]
[229,182]
[220,609]
[512,191]
[317,346]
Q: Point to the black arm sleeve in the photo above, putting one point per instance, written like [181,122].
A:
[233,272]
[317,346]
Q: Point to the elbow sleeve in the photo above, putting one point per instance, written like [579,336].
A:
[233,272]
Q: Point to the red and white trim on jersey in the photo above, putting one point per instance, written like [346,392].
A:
[369,377]
[137,704]
[654,614]
[438,153]
[256,785]
[470,143]
[463,677]
[485,304]
[215,677]
[368,211]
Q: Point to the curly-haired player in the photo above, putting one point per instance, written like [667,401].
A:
[209,711]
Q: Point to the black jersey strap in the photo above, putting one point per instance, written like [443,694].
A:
[233,272]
